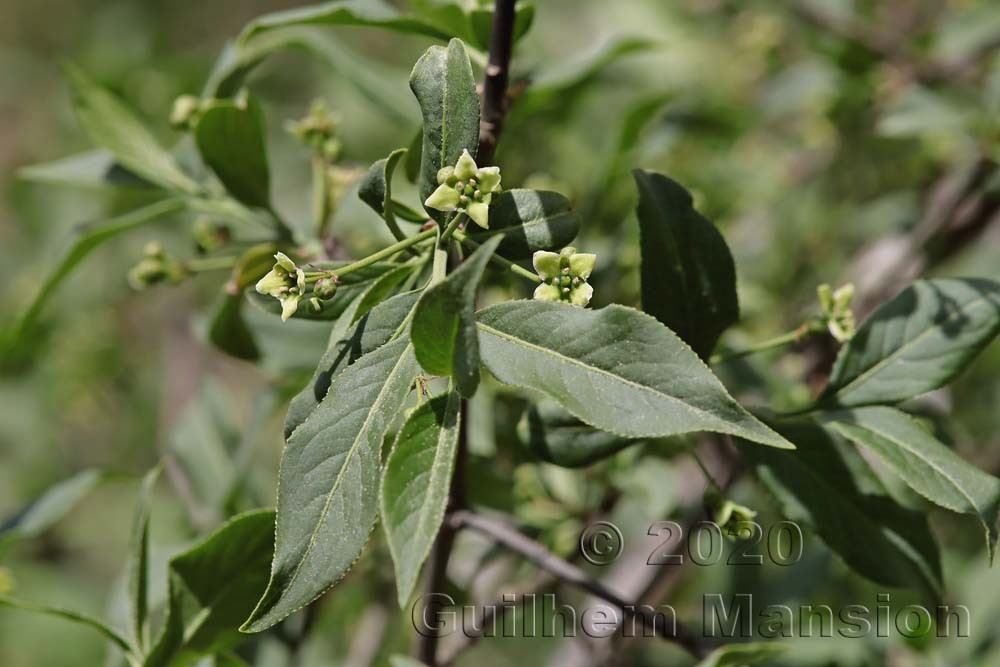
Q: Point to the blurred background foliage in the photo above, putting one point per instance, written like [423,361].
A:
[819,136]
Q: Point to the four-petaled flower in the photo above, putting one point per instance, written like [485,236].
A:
[466,187]
[286,283]
[837,314]
[564,276]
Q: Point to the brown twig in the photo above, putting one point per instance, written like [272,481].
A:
[569,573]
[497,77]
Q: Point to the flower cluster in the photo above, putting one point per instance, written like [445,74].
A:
[564,276]
[285,282]
[318,131]
[468,188]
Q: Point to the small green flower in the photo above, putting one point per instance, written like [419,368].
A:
[286,283]
[837,314]
[727,515]
[564,276]
[468,188]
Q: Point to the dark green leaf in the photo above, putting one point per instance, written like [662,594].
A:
[444,323]
[530,220]
[556,436]
[112,126]
[328,490]
[917,342]
[231,140]
[348,341]
[415,485]
[615,368]
[381,289]
[688,276]
[213,586]
[414,155]
[481,24]
[924,463]
[375,190]
[876,537]
[229,331]
[443,84]
[103,628]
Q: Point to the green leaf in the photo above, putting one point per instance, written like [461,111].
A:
[103,628]
[349,341]
[415,485]
[382,288]
[917,342]
[371,13]
[530,220]
[328,484]
[444,323]
[414,156]
[87,238]
[688,276]
[231,139]
[212,587]
[138,562]
[740,655]
[556,87]
[111,125]
[375,190]
[229,331]
[481,24]
[877,538]
[445,88]
[554,435]
[616,369]
[92,169]
[924,463]
[50,508]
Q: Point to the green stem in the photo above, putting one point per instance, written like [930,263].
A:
[704,469]
[209,264]
[386,252]
[779,341]
[517,269]
[321,197]
[450,228]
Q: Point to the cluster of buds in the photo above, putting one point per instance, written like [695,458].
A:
[156,267]
[564,276]
[289,284]
[837,317]
[317,130]
[185,113]
[468,188]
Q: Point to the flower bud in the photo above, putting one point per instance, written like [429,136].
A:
[325,288]
[185,112]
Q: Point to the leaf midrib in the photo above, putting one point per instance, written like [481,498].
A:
[347,458]
[601,371]
[882,363]
[902,445]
